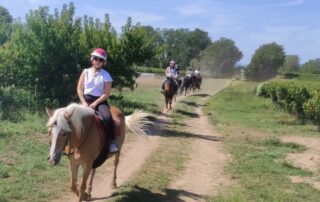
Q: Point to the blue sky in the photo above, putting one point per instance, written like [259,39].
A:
[294,24]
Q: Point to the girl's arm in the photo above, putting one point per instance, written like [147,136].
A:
[80,89]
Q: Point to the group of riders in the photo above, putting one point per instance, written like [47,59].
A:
[191,80]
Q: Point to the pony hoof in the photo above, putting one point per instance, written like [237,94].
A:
[75,191]
[86,196]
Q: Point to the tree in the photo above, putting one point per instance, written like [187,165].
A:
[311,66]
[156,46]
[5,24]
[183,45]
[265,62]
[220,57]
[47,54]
[291,64]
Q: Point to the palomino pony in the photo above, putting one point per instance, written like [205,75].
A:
[169,92]
[75,130]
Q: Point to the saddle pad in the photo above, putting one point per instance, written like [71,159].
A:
[104,153]
[102,156]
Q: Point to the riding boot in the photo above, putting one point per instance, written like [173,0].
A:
[113,147]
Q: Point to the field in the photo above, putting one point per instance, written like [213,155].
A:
[254,128]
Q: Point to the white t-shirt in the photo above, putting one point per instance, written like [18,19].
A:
[171,72]
[94,81]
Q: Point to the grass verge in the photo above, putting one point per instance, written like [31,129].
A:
[251,126]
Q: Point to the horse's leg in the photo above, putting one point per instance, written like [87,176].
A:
[89,188]
[73,168]
[166,102]
[116,162]
[86,171]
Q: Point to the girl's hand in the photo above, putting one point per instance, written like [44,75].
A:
[85,104]
[93,105]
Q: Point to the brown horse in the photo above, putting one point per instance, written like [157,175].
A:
[197,80]
[169,92]
[74,129]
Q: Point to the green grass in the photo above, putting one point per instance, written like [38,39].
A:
[151,182]
[147,98]
[24,171]
[239,106]
[252,126]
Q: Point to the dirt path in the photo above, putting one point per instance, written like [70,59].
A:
[307,160]
[203,173]
[199,171]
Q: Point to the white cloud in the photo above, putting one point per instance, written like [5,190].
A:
[285,4]
[195,8]
[282,33]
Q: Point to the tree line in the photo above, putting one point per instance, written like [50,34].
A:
[46,54]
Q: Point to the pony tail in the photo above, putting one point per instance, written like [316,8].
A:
[137,122]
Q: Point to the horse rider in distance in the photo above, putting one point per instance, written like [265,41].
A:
[171,73]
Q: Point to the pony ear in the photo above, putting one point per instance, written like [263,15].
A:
[68,115]
[49,112]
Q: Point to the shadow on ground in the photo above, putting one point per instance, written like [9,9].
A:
[163,128]
[136,193]
[189,114]
[201,95]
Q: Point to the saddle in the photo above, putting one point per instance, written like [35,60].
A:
[104,153]
[174,82]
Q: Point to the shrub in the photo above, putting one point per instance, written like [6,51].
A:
[301,98]
[14,102]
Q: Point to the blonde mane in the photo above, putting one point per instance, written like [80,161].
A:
[79,112]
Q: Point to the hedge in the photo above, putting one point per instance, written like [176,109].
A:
[301,98]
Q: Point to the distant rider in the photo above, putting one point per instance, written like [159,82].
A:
[197,71]
[189,72]
[171,73]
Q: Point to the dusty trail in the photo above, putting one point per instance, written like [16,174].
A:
[203,174]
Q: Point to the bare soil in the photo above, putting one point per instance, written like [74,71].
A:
[307,160]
